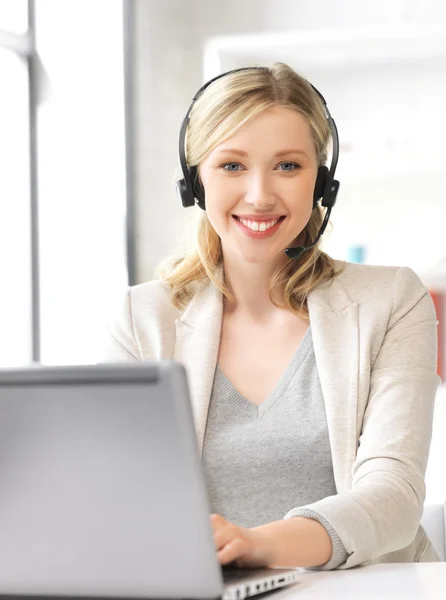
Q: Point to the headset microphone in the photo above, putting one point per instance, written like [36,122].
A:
[296,252]
[191,192]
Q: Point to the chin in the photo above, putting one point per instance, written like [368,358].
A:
[258,257]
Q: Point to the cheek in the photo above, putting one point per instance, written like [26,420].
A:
[297,185]
[219,202]
[215,213]
[217,218]
[303,192]
[304,186]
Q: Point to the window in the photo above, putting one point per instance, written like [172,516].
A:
[15,264]
[14,15]
[72,55]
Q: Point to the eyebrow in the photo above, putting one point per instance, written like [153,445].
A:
[281,153]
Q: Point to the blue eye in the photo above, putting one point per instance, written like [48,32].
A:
[228,165]
[292,164]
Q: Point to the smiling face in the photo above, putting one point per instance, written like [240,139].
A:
[259,185]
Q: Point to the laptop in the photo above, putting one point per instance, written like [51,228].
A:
[102,493]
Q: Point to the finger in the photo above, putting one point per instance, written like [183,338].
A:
[217,520]
[231,551]
[223,536]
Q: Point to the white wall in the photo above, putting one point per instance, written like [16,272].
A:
[168,40]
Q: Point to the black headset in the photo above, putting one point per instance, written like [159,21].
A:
[191,192]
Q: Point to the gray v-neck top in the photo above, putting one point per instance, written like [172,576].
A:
[262,461]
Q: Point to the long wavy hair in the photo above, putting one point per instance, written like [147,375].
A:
[223,108]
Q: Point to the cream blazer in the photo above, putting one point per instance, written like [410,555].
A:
[375,344]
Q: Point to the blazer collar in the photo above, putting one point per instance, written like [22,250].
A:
[335,333]
[330,295]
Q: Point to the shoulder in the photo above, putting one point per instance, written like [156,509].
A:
[383,294]
[138,302]
[377,284]
[151,300]
[142,320]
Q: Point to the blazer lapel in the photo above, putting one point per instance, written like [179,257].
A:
[335,331]
[197,343]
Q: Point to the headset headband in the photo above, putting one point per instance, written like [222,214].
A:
[182,138]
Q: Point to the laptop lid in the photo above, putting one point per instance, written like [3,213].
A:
[101,488]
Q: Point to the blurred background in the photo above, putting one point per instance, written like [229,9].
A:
[92,96]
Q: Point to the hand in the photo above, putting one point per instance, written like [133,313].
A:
[246,547]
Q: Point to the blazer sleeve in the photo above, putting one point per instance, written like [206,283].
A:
[120,343]
[382,510]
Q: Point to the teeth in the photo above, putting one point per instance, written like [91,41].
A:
[258,225]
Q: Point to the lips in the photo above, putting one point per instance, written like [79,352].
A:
[258,218]
[258,234]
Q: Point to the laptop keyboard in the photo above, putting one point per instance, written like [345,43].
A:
[232,574]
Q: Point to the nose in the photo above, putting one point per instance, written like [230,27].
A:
[260,193]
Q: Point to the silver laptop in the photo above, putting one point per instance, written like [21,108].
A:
[101,488]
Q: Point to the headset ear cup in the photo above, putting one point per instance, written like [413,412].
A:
[199,194]
[184,194]
[197,188]
[321,181]
[330,197]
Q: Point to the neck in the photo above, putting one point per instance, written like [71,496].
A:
[250,284]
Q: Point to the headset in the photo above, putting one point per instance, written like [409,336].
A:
[191,192]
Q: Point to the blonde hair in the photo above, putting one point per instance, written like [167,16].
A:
[223,108]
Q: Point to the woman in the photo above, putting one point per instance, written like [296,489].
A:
[312,380]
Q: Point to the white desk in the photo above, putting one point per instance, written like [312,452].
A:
[420,581]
